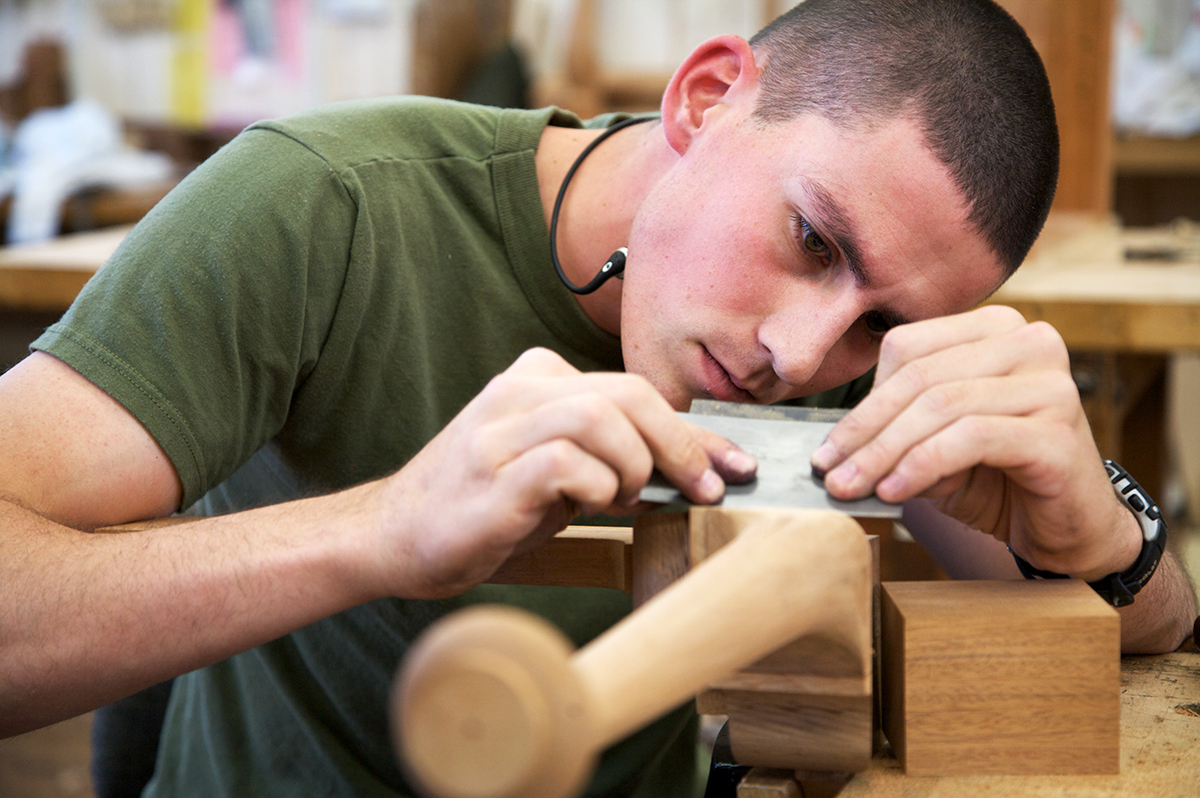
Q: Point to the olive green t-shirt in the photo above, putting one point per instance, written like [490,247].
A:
[302,314]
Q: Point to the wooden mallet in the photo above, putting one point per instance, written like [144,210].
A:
[492,703]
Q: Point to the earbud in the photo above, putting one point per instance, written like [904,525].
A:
[614,267]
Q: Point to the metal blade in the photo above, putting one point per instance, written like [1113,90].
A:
[783,444]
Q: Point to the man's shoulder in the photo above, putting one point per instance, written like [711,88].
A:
[409,127]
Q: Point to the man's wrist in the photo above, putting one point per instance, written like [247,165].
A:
[1123,552]
[1120,586]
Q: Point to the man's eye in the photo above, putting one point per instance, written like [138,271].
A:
[876,323]
[814,243]
[810,238]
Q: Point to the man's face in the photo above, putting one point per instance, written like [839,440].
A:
[770,260]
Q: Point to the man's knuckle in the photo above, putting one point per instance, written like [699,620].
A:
[501,386]
[558,456]
[631,390]
[898,344]
[1003,315]
[592,411]
[1045,339]
[641,467]
[927,460]
[852,427]
[976,430]
[914,378]
[1061,389]
[945,399]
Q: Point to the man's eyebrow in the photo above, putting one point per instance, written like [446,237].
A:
[836,222]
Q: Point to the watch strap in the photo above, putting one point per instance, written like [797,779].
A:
[1119,588]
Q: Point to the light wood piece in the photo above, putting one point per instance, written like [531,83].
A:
[1001,678]
[811,704]
[489,702]
[777,783]
[808,704]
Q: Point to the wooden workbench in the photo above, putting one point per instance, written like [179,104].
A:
[1160,746]
[1078,279]
[47,276]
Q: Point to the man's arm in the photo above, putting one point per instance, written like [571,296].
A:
[88,617]
[979,413]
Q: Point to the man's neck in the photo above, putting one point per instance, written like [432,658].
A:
[600,204]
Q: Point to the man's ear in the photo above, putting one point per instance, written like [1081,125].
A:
[716,72]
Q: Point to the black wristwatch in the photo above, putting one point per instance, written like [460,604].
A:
[1118,589]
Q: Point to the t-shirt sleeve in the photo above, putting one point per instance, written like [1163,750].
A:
[212,312]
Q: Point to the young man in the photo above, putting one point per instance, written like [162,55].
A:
[343,337]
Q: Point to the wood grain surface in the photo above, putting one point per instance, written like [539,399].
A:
[1160,747]
[1013,677]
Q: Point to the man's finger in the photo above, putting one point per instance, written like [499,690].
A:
[557,470]
[1030,348]
[673,443]
[1028,449]
[937,409]
[914,341]
[731,461]
[590,421]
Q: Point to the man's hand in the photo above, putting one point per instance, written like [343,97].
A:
[979,412]
[541,444]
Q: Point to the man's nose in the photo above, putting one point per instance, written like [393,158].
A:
[800,335]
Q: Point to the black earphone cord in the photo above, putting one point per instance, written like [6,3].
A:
[616,262]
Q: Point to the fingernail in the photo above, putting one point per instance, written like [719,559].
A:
[842,478]
[892,484]
[823,458]
[740,462]
[710,487]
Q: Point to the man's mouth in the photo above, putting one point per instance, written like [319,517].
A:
[719,383]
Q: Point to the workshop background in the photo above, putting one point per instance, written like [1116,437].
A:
[106,104]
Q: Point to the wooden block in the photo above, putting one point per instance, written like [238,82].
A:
[808,731]
[876,529]
[815,663]
[660,553]
[822,785]
[1015,677]
[768,783]
[579,556]
[777,783]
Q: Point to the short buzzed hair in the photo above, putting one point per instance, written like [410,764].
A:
[963,69]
